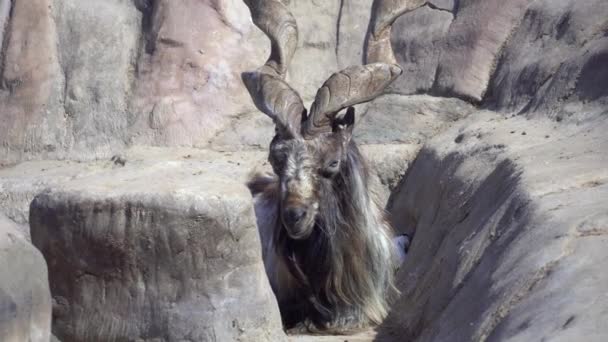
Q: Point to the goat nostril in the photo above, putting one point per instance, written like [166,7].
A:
[294,215]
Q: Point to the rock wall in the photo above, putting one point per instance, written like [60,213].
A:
[512,56]
[509,222]
[73,86]
[83,80]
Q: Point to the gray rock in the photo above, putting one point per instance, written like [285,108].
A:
[21,183]
[25,299]
[473,45]
[248,131]
[188,84]
[555,62]
[417,38]
[33,120]
[98,48]
[353,20]
[118,73]
[315,57]
[507,227]
[165,251]
[5,9]
[395,119]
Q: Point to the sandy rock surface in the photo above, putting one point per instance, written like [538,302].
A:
[170,250]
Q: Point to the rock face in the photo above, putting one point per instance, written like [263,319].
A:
[83,80]
[25,299]
[514,55]
[509,221]
[169,251]
[492,143]
[555,62]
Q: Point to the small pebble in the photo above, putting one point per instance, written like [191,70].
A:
[523,133]
[119,160]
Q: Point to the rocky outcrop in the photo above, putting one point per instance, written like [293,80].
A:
[85,80]
[555,63]
[169,251]
[515,56]
[25,299]
[509,224]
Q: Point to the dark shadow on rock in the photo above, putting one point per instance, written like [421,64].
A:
[462,224]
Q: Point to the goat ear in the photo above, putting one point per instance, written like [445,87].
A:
[345,124]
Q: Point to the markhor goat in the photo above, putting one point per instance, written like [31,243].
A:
[327,246]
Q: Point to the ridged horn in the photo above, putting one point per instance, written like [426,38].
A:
[270,93]
[351,86]
[277,99]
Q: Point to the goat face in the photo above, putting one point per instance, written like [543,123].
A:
[307,168]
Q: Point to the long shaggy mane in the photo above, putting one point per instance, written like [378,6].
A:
[339,277]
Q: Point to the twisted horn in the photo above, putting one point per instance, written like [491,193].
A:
[384,14]
[272,96]
[351,86]
[270,93]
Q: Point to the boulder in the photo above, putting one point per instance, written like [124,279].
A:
[19,184]
[25,299]
[473,44]
[509,220]
[163,250]
[417,38]
[555,63]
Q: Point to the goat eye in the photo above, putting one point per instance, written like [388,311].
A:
[330,169]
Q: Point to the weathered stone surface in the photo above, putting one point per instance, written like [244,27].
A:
[188,78]
[97,77]
[31,91]
[508,226]
[353,21]
[67,78]
[167,250]
[25,299]
[252,131]
[556,62]
[509,220]
[417,38]
[97,51]
[473,44]
[5,9]
[394,119]
[315,58]
[21,183]
[518,56]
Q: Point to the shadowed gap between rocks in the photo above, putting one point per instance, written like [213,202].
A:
[460,229]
